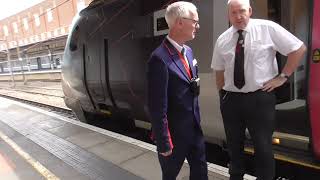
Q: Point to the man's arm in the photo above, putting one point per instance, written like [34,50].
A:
[293,61]
[157,79]
[219,79]
[217,65]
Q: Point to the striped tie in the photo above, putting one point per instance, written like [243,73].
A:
[185,62]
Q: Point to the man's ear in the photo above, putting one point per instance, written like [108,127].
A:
[250,11]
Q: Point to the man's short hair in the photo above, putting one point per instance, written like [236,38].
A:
[244,2]
[177,10]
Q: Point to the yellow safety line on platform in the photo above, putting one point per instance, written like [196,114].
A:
[36,165]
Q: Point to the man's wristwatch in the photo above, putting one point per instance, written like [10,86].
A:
[283,75]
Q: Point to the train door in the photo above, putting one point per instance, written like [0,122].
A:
[292,116]
[93,68]
[292,123]
[314,80]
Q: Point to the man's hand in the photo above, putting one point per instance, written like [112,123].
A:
[274,83]
[168,153]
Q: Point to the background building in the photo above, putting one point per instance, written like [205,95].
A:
[37,35]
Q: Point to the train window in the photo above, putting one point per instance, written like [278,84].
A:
[74,39]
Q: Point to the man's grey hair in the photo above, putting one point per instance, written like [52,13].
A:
[179,9]
[243,2]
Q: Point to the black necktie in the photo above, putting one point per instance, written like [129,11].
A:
[238,73]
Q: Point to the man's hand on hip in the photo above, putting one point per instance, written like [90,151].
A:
[274,83]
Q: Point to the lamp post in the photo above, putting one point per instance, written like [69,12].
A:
[25,54]
[50,57]
[21,65]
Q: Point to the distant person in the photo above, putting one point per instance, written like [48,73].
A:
[173,89]
[246,71]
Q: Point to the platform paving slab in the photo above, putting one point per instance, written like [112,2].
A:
[147,166]
[86,140]
[11,133]
[68,130]
[117,152]
[49,123]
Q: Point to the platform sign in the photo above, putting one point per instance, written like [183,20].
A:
[316,56]
[160,26]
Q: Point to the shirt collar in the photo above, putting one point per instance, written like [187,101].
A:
[175,44]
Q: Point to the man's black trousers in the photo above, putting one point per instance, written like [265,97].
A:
[255,111]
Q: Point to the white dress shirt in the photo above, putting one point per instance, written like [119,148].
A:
[179,49]
[262,39]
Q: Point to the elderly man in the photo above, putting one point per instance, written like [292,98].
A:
[246,75]
[173,89]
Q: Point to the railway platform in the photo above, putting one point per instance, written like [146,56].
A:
[36,144]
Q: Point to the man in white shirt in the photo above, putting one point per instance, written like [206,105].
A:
[246,74]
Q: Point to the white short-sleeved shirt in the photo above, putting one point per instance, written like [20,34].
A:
[263,38]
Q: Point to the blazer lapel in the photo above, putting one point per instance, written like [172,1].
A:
[173,53]
[190,61]
[181,67]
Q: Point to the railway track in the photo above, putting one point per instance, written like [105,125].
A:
[48,93]
[45,91]
[39,93]
[58,110]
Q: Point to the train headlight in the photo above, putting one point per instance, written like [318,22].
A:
[276,141]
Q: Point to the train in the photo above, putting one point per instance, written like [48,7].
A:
[110,42]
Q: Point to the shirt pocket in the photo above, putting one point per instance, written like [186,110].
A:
[228,58]
[259,52]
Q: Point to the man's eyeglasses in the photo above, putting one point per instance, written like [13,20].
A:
[194,21]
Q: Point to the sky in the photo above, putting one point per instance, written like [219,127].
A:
[11,7]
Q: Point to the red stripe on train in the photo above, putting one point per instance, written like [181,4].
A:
[314,83]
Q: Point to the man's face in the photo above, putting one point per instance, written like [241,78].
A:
[189,26]
[239,14]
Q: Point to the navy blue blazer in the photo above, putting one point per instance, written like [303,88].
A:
[173,108]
